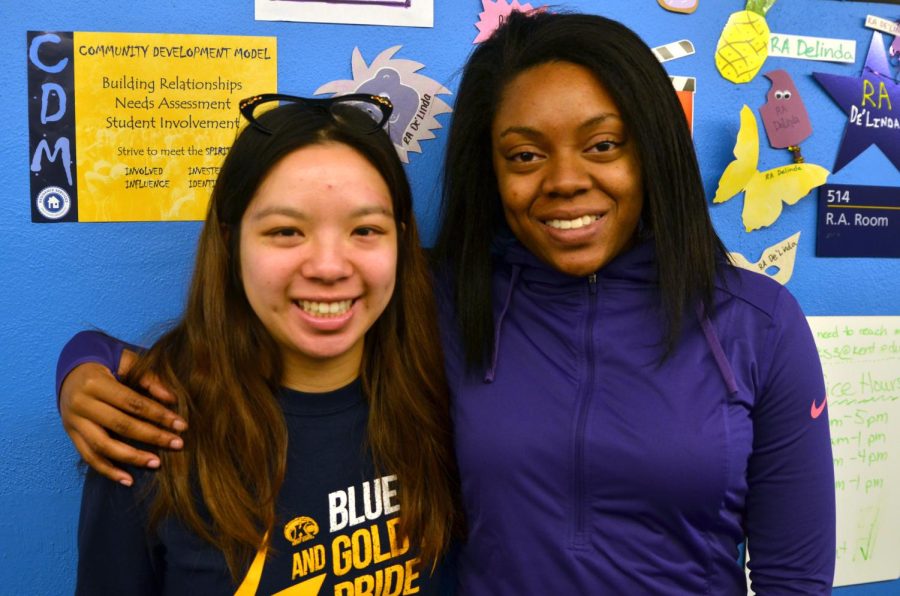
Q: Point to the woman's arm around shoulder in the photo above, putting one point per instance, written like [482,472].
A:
[93,404]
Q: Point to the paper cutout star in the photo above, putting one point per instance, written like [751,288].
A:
[872,104]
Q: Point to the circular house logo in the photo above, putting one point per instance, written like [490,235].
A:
[53,202]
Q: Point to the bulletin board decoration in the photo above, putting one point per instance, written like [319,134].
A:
[685,87]
[392,13]
[494,13]
[134,126]
[868,100]
[744,43]
[681,6]
[858,221]
[883,25]
[805,47]
[415,96]
[764,192]
[784,115]
[674,50]
[777,261]
[891,28]
[860,358]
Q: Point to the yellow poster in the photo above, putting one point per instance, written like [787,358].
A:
[154,116]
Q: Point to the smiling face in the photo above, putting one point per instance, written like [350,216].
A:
[318,260]
[567,172]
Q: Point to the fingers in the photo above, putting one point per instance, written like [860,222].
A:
[126,361]
[130,402]
[96,447]
[127,414]
[155,388]
[149,381]
[94,405]
[91,383]
[101,465]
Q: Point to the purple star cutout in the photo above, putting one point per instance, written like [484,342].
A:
[869,101]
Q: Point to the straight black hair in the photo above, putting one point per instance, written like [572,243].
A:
[675,214]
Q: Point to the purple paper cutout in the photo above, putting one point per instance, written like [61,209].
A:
[415,96]
[405,99]
[784,115]
[868,101]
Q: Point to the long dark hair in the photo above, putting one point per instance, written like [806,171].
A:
[675,214]
[225,368]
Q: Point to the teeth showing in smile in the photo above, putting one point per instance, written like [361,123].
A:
[325,309]
[572,224]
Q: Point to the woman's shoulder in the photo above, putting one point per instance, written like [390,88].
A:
[752,290]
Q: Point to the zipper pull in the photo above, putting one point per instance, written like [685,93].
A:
[592,283]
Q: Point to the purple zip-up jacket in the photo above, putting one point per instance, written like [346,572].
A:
[590,468]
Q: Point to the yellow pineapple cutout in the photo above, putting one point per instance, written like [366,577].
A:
[744,43]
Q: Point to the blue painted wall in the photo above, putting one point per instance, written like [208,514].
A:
[129,278]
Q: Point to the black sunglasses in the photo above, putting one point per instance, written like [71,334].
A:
[360,111]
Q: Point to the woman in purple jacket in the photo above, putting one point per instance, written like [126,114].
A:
[629,408]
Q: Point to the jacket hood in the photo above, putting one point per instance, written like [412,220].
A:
[637,264]
[634,266]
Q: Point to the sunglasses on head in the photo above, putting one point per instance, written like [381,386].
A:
[360,111]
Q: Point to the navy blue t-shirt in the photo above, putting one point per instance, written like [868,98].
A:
[336,531]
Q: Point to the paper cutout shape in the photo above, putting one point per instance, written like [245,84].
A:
[674,50]
[804,47]
[764,192]
[685,87]
[780,257]
[744,43]
[868,101]
[891,28]
[392,13]
[784,115]
[493,15]
[682,6]
[415,96]
[883,25]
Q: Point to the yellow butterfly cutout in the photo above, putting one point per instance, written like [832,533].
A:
[764,192]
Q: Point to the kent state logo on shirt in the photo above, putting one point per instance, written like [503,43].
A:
[300,529]
[53,202]
[363,553]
